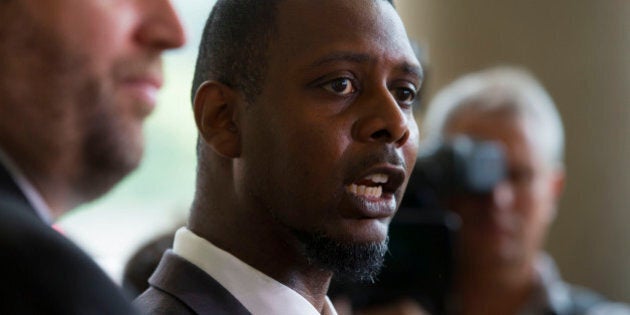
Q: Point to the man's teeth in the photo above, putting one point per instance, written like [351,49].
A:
[378,178]
[375,190]
[365,191]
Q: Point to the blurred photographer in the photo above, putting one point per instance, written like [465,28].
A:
[500,266]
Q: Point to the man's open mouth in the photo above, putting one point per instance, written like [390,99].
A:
[370,186]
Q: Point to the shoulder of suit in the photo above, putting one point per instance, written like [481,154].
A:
[156,302]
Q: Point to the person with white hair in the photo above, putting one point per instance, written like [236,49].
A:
[501,267]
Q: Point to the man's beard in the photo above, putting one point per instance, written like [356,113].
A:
[349,262]
[110,151]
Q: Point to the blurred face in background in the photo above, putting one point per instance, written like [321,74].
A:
[508,226]
[77,80]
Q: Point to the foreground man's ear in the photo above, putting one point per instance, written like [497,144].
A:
[215,114]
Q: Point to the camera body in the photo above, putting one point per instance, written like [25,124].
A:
[457,166]
[422,235]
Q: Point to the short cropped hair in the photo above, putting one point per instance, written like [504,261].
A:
[509,89]
[234,45]
[233,48]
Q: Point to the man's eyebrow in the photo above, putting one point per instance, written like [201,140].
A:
[407,68]
[340,56]
[412,69]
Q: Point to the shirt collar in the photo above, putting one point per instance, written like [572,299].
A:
[29,191]
[259,293]
[551,294]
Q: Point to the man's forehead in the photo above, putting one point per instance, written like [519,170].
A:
[329,30]
[309,20]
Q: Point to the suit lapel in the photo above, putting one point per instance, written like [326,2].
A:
[9,189]
[194,287]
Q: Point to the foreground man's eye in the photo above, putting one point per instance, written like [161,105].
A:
[340,86]
[404,95]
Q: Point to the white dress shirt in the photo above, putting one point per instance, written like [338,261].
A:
[32,195]
[259,293]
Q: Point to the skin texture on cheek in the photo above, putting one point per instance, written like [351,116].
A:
[39,78]
[289,165]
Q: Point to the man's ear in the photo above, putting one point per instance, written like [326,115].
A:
[559,179]
[215,109]
[557,183]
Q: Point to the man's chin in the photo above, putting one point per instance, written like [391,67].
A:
[348,261]
[108,159]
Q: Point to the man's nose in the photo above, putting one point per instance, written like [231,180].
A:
[383,120]
[160,27]
[502,196]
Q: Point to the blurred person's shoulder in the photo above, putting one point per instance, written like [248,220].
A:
[589,302]
[570,299]
[45,273]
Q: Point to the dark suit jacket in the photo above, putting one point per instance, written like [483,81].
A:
[179,287]
[42,272]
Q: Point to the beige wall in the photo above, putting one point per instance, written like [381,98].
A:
[580,49]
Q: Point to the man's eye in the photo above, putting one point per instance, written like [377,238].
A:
[521,176]
[340,86]
[404,95]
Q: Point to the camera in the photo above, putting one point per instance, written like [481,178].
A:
[420,259]
[460,165]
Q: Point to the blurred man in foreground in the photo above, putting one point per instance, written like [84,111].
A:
[77,79]
[304,109]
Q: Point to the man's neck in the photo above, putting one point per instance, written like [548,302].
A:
[43,204]
[231,270]
[267,248]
